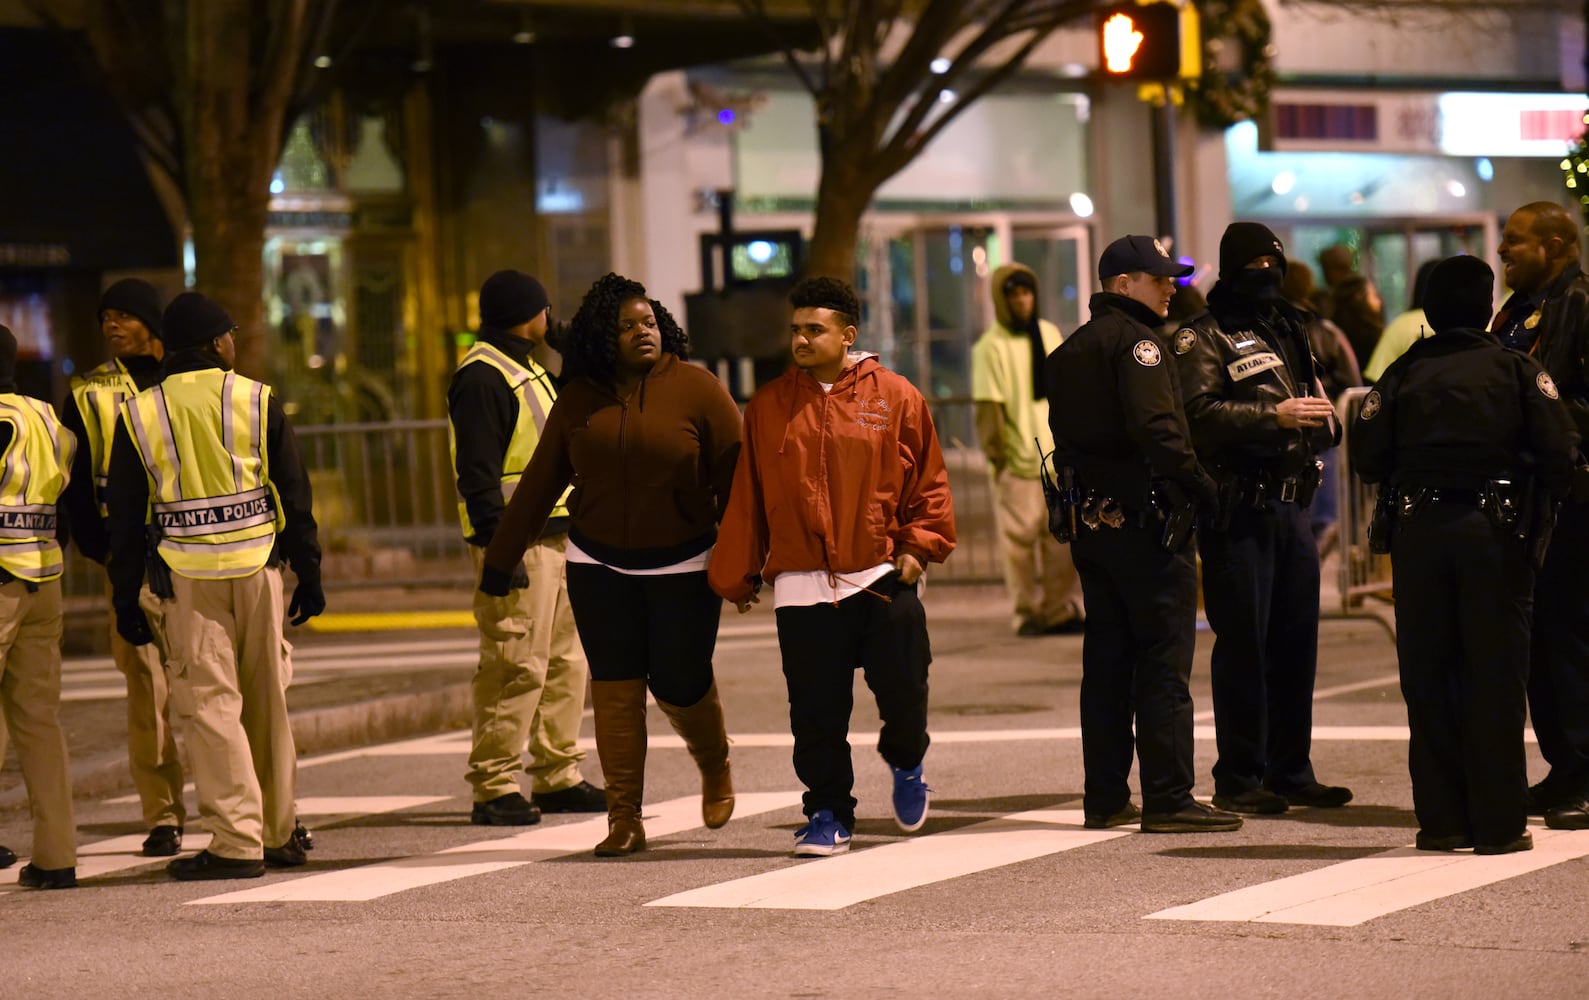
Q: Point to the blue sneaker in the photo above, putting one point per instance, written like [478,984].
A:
[821,837]
[910,798]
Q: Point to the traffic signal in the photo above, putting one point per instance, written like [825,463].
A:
[1140,41]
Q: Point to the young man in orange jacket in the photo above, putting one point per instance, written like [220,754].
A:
[840,500]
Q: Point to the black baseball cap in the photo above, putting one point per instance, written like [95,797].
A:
[1129,254]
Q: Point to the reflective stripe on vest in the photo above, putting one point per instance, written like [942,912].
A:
[99,396]
[33,472]
[201,436]
[532,387]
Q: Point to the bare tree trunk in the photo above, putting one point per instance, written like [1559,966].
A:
[842,197]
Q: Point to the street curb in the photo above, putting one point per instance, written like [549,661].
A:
[315,731]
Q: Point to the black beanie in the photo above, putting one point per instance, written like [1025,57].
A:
[1020,279]
[135,298]
[191,320]
[1245,242]
[8,359]
[1459,295]
[509,299]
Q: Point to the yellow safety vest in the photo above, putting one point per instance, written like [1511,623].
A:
[201,435]
[533,388]
[33,472]
[99,396]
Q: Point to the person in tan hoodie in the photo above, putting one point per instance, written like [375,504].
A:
[840,500]
[649,443]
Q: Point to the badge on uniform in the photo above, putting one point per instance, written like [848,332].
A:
[1184,340]
[1533,321]
[1147,353]
[1546,386]
[1371,404]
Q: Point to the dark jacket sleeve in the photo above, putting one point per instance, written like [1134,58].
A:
[300,536]
[78,502]
[1218,422]
[1149,395]
[484,412]
[544,480]
[1373,438]
[1548,428]
[127,496]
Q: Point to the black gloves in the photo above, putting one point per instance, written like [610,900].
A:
[521,578]
[308,599]
[132,625]
[497,583]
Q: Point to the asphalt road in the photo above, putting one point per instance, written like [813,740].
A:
[1002,894]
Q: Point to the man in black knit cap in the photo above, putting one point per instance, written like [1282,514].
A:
[1259,418]
[129,318]
[1476,444]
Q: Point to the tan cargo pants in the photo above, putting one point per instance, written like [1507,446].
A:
[151,741]
[530,684]
[1038,571]
[229,668]
[30,696]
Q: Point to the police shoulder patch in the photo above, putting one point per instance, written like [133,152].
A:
[1147,353]
[1185,339]
[1546,385]
[1371,405]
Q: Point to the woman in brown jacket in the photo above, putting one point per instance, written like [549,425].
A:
[649,443]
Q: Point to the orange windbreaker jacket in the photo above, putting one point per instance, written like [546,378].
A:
[838,481]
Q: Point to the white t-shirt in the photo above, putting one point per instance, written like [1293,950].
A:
[694,564]
[803,589]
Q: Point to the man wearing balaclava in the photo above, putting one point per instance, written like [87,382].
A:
[1259,418]
[207,460]
[1455,428]
[1011,399]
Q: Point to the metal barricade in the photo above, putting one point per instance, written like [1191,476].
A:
[1362,573]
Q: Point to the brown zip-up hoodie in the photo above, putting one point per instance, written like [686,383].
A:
[651,473]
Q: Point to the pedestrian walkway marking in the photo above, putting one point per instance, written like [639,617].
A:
[1355,892]
[538,843]
[837,882]
[114,854]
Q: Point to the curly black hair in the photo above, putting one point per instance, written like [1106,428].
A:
[592,337]
[827,293]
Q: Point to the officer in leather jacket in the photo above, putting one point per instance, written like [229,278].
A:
[1258,418]
[1548,317]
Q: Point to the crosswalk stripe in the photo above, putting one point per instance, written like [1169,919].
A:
[836,882]
[539,843]
[1354,892]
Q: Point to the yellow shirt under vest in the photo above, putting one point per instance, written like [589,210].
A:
[33,471]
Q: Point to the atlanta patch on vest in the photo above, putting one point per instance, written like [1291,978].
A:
[1252,364]
[1546,386]
[1147,353]
[1184,340]
[1371,404]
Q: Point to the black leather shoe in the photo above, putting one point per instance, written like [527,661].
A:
[1071,626]
[511,809]
[301,834]
[1252,802]
[288,855]
[1127,815]
[8,857]
[581,798]
[1317,796]
[34,877]
[1523,843]
[1195,818]
[1547,795]
[1029,628]
[205,866]
[1571,816]
[1454,842]
[163,842]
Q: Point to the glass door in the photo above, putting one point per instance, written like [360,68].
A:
[1062,257]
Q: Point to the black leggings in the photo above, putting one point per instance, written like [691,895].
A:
[661,629]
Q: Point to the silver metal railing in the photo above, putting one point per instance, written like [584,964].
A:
[1362,573]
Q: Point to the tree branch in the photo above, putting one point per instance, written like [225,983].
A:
[756,10]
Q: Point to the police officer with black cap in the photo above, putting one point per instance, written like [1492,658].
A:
[1474,445]
[1259,418]
[1130,487]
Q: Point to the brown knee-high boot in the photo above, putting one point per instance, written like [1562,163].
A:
[620,708]
[706,737]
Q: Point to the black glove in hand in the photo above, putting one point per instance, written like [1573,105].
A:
[497,583]
[132,625]
[308,600]
[521,578]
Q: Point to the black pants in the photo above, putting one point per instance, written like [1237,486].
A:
[822,645]
[1261,595]
[660,628]
[1462,621]
[1137,652]
[1558,677]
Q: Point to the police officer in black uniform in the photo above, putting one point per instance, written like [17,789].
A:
[1132,486]
[1474,445]
[1259,418]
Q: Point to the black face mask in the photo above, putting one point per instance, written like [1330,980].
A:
[1258,284]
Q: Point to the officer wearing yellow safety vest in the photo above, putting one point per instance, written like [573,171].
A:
[129,317]
[530,683]
[207,462]
[35,460]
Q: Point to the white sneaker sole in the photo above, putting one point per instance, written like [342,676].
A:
[821,850]
[925,809]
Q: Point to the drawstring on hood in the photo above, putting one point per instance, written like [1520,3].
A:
[853,372]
